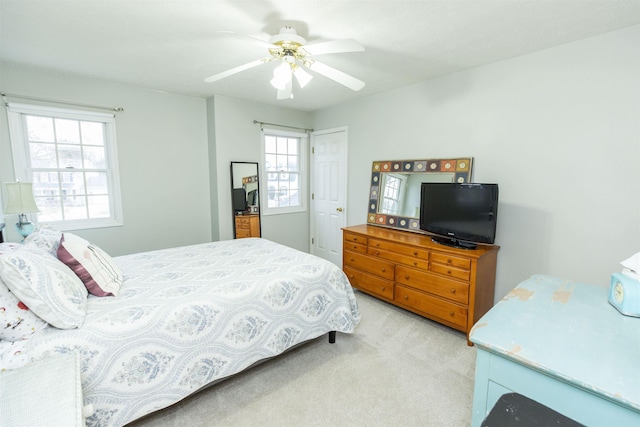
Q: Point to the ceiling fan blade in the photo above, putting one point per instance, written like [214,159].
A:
[334,46]
[256,41]
[238,69]
[286,92]
[337,75]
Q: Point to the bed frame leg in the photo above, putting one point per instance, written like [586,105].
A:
[332,337]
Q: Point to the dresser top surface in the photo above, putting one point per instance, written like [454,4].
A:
[418,239]
[569,331]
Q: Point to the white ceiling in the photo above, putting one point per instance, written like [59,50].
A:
[173,45]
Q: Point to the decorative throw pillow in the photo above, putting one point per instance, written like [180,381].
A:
[17,322]
[97,270]
[47,286]
[44,237]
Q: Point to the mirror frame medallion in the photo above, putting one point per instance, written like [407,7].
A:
[460,170]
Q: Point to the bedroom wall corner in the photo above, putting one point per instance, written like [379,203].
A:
[213,175]
[162,156]
[239,139]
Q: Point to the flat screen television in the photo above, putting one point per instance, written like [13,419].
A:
[239,200]
[460,215]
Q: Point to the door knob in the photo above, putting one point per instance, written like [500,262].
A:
[339,209]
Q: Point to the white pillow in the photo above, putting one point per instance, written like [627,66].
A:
[17,322]
[44,237]
[97,270]
[47,286]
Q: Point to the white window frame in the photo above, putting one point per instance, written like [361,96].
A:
[302,162]
[22,162]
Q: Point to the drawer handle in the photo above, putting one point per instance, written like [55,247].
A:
[415,262]
[415,253]
[355,246]
[382,288]
[406,297]
[377,253]
[384,270]
[448,271]
[453,291]
[355,239]
[352,260]
[449,260]
[377,245]
[452,314]
[406,277]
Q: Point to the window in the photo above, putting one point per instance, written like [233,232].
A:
[70,156]
[393,190]
[284,164]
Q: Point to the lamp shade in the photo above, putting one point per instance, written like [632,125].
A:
[20,199]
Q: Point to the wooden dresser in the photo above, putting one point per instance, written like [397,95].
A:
[452,286]
[247,226]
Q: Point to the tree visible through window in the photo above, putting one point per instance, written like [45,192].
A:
[70,158]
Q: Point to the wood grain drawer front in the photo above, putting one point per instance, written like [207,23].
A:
[242,233]
[399,248]
[243,223]
[355,247]
[355,238]
[399,258]
[369,282]
[450,260]
[447,288]
[451,271]
[372,265]
[432,305]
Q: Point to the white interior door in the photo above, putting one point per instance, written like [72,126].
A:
[328,193]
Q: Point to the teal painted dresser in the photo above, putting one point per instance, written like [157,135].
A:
[563,345]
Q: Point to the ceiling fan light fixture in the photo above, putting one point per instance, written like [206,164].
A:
[302,76]
[281,75]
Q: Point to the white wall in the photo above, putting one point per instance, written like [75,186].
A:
[162,154]
[238,139]
[558,130]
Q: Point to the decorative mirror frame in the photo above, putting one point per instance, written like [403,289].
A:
[460,167]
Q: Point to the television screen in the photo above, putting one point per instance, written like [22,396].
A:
[459,213]
[239,200]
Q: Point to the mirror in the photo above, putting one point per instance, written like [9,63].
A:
[245,199]
[394,197]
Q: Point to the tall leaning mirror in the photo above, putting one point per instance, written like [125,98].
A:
[245,199]
[394,197]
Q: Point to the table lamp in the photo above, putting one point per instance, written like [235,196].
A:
[21,202]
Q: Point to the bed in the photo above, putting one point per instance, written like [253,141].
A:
[183,318]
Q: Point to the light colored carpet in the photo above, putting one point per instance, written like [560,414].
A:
[397,369]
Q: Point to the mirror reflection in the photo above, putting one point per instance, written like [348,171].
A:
[245,198]
[394,199]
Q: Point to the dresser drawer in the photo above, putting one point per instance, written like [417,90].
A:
[399,248]
[355,238]
[447,288]
[399,258]
[355,247]
[447,270]
[242,233]
[369,264]
[370,283]
[450,260]
[431,305]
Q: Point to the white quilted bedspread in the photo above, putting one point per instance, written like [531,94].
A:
[188,316]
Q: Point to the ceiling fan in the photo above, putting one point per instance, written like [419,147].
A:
[295,55]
